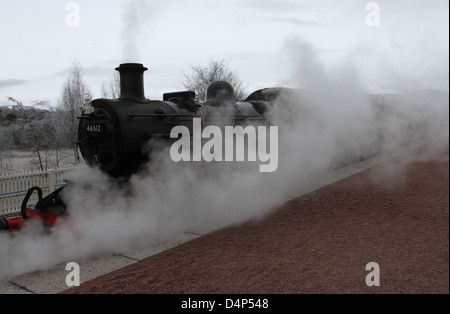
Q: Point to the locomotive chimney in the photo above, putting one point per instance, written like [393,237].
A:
[132,81]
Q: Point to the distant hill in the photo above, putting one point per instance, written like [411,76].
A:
[43,104]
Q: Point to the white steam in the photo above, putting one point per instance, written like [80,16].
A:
[136,18]
[330,121]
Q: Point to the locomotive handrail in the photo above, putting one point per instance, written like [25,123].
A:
[91,117]
[83,140]
[131,116]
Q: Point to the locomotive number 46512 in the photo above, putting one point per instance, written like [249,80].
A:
[94,128]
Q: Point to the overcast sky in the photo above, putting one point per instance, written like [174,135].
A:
[41,40]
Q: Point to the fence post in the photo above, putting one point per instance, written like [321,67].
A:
[51,181]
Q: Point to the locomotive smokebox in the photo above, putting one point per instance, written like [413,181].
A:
[132,81]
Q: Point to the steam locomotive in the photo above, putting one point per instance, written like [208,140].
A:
[112,133]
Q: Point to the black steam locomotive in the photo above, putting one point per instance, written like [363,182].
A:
[112,133]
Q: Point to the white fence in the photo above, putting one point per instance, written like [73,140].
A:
[14,187]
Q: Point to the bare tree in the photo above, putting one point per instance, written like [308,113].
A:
[200,77]
[5,144]
[111,88]
[30,128]
[69,104]
[16,103]
[40,137]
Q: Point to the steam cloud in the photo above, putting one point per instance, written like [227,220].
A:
[327,122]
[136,15]
[137,18]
